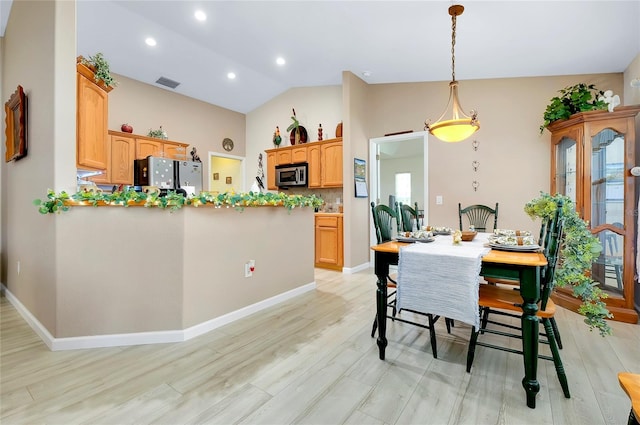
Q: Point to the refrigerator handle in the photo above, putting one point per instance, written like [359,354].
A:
[176,174]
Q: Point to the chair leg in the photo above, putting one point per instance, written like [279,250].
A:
[432,334]
[472,348]
[556,332]
[562,377]
[632,419]
[484,319]
[375,326]
[449,324]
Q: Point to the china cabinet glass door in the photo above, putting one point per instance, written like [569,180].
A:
[607,207]
[566,167]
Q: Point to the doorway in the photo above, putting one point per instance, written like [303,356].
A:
[399,154]
[226,173]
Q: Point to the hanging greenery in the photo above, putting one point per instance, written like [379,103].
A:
[59,202]
[579,249]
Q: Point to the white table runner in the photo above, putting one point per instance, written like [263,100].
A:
[441,278]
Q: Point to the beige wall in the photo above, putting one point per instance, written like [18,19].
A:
[185,120]
[313,105]
[33,58]
[632,94]
[152,270]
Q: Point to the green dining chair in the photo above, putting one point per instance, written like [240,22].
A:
[383,222]
[478,216]
[504,301]
[408,215]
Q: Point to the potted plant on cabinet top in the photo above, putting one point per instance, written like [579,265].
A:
[100,67]
[574,99]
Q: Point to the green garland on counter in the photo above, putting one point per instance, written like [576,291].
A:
[579,249]
[59,202]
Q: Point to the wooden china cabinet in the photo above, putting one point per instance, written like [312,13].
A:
[592,154]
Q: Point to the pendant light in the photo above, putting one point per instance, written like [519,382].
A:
[460,126]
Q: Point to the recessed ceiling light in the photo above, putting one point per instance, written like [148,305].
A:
[366,73]
[200,15]
[231,76]
[280,61]
[150,41]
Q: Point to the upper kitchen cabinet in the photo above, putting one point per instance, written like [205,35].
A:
[592,154]
[91,120]
[324,159]
[331,164]
[146,146]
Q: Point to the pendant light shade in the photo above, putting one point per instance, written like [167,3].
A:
[454,125]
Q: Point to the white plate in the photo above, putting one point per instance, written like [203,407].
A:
[411,240]
[524,248]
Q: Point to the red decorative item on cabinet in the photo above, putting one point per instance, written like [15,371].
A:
[126,128]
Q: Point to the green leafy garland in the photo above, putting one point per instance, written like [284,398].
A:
[580,248]
[59,202]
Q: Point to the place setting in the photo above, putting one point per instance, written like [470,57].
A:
[513,240]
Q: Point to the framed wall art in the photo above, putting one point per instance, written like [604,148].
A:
[360,177]
[228,180]
[216,176]
[16,125]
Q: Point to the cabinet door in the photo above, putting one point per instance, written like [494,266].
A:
[144,148]
[271,171]
[567,165]
[299,155]
[328,242]
[91,130]
[331,158]
[609,204]
[283,157]
[176,151]
[122,157]
[313,158]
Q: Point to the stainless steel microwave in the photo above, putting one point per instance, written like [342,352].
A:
[291,175]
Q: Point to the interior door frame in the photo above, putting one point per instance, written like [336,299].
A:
[374,173]
[242,160]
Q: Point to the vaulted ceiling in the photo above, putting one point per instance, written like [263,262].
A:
[380,41]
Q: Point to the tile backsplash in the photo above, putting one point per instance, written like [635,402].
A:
[330,196]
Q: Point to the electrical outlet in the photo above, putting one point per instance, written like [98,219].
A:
[249,268]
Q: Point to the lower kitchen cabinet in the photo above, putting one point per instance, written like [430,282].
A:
[329,252]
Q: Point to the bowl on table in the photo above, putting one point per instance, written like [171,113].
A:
[468,235]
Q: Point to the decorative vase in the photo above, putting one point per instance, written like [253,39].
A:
[298,136]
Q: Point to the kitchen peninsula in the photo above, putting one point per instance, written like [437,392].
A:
[148,275]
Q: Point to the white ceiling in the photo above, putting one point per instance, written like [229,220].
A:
[396,41]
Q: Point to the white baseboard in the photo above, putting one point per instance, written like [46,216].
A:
[356,269]
[139,338]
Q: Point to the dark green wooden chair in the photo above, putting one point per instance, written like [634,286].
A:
[408,215]
[478,216]
[504,301]
[383,222]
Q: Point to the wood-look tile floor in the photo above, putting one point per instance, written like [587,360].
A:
[311,360]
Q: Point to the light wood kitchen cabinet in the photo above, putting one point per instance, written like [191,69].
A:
[299,154]
[324,160]
[314,172]
[121,151]
[124,148]
[592,154]
[329,250]
[92,103]
[146,146]
[331,164]
[271,170]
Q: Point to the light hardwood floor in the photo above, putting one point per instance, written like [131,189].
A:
[311,360]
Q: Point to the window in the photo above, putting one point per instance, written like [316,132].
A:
[403,188]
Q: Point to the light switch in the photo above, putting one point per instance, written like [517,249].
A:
[439,200]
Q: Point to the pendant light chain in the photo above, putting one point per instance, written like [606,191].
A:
[453,47]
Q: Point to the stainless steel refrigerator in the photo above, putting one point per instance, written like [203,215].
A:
[167,173]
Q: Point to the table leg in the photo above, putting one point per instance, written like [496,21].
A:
[530,292]
[381,314]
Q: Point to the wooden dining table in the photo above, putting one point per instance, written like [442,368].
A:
[523,266]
